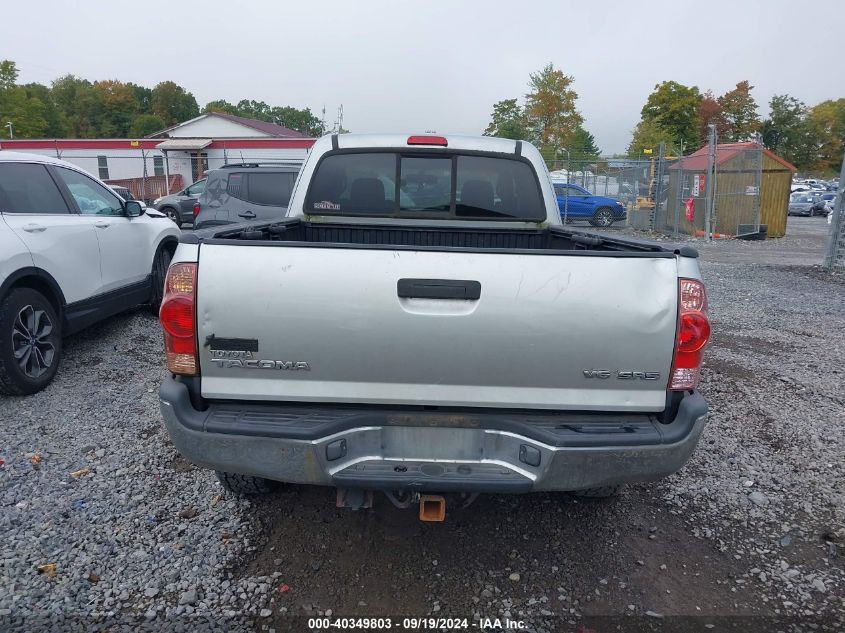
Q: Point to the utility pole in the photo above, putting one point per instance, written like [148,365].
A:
[339,122]
[661,158]
[9,125]
[709,184]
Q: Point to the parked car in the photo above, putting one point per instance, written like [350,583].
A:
[461,341]
[179,207]
[245,191]
[72,252]
[829,199]
[579,204]
[126,194]
[805,204]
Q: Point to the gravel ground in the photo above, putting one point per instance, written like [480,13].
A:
[752,526]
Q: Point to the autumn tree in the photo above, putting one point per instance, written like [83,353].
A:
[550,110]
[740,112]
[710,113]
[508,120]
[173,103]
[672,108]
[119,107]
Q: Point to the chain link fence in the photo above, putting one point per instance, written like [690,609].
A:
[632,182]
[717,191]
[835,254]
[151,174]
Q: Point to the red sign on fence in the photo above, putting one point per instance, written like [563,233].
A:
[698,185]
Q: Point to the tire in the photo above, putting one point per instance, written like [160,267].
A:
[30,342]
[604,492]
[603,217]
[160,265]
[245,485]
[173,214]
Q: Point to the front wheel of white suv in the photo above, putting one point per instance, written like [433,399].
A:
[30,342]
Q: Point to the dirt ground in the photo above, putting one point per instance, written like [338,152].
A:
[637,555]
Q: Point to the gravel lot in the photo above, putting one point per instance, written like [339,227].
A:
[753,526]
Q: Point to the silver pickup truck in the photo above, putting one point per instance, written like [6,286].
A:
[422,323]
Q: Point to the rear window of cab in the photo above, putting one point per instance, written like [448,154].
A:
[442,185]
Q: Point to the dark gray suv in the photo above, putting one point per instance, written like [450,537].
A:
[246,191]
[179,207]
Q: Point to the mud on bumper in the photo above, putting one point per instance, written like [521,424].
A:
[435,451]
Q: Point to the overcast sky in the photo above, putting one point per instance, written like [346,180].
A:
[431,65]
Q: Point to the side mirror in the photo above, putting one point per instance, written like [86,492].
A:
[133,208]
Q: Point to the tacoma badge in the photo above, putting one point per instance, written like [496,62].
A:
[622,375]
[246,360]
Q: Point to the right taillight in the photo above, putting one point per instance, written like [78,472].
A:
[692,337]
[178,319]
[196,209]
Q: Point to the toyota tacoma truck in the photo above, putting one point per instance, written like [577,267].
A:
[419,323]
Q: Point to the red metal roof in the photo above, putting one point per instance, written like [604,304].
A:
[724,152]
[262,126]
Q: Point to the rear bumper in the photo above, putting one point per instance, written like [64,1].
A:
[411,449]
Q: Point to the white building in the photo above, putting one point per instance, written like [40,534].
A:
[174,158]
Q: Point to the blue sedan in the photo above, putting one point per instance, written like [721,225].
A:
[580,204]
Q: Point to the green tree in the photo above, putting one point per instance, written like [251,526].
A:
[673,108]
[740,111]
[826,129]
[508,120]
[52,117]
[648,135]
[145,124]
[550,109]
[144,98]
[301,120]
[173,104]
[23,110]
[221,105]
[257,110]
[79,106]
[583,145]
[786,131]
[8,74]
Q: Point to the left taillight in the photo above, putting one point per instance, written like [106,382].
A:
[178,319]
[692,336]
[196,209]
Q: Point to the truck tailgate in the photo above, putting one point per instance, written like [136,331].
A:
[357,325]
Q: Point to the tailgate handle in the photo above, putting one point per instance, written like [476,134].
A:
[439,289]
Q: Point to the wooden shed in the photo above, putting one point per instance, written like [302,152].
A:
[750,180]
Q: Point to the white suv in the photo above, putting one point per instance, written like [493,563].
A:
[71,253]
